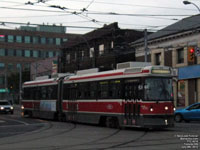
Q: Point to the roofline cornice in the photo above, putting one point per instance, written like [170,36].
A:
[166,38]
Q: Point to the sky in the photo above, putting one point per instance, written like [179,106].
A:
[82,16]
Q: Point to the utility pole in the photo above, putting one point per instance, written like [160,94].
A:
[6,84]
[36,67]
[20,84]
[145,45]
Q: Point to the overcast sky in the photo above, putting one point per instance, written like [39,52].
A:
[130,14]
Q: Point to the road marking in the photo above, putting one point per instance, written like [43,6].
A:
[18,121]
[18,125]
[2,121]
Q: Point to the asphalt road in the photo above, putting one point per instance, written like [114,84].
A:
[18,133]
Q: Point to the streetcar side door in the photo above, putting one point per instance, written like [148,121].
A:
[73,105]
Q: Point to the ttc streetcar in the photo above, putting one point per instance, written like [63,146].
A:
[129,97]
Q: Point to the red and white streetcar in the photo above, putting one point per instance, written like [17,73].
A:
[133,97]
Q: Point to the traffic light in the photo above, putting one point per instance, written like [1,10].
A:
[191,54]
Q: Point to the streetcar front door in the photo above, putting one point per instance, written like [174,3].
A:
[132,104]
[72,105]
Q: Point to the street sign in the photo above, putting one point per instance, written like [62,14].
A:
[4,90]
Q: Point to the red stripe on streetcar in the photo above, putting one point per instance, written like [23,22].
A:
[98,76]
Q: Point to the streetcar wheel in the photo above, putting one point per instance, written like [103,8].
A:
[112,122]
[178,118]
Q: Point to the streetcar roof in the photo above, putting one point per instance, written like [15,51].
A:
[113,74]
[46,81]
[123,73]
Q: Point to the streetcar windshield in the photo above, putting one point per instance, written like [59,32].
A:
[158,89]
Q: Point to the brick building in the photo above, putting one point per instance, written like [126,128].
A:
[20,47]
[102,48]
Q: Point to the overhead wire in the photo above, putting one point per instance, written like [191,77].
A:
[135,5]
[82,14]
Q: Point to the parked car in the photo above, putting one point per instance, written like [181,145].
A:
[190,113]
[6,107]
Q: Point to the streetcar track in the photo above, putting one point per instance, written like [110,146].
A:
[95,141]
[75,145]
[41,137]
[118,145]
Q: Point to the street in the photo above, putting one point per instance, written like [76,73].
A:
[24,133]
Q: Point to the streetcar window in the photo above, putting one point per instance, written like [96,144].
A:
[93,88]
[51,92]
[115,89]
[103,89]
[65,91]
[33,93]
[43,93]
[133,89]
[158,89]
[83,90]
[27,93]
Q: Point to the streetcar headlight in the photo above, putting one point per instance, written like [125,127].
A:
[166,107]
[151,109]
[174,109]
[22,107]
[166,122]
[2,108]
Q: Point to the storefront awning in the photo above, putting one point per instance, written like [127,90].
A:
[189,72]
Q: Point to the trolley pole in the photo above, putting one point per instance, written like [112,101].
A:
[145,45]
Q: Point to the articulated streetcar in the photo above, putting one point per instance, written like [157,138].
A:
[130,97]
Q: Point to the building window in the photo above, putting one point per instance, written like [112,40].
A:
[2,80]
[101,49]
[2,38]
[43,54]
[10,66]
[18,66]
[50,54]
[112,44]
[19,53]
[27,39]
[43,40]
[2,65]
[35,54]
[158,59]
[27,66]
[91,52]
[2,52]
[82,54]
[10,38]
[58,41]
[27,53]
[57,53]
[68,58]
[50,40]
[180,55]
[47,54]
[19,39]
[65,40]
[35,40]
[11,52]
